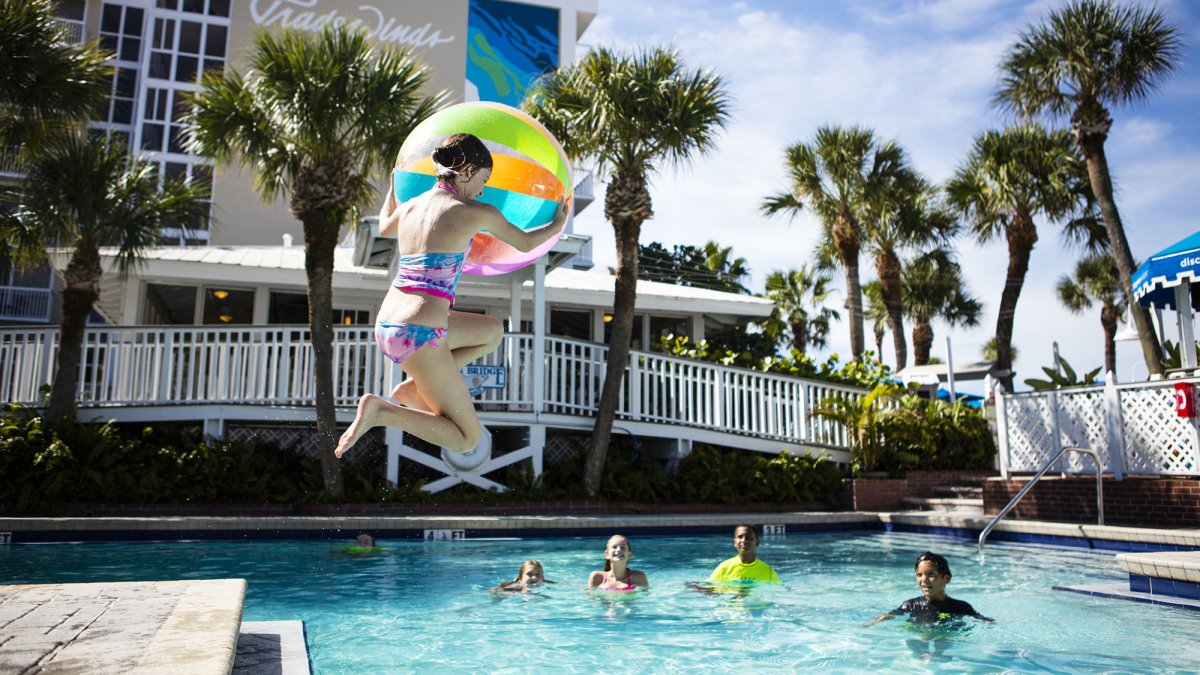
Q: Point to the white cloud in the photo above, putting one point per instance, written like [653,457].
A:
[791,71]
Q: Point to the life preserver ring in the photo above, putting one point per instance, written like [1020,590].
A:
[469,462]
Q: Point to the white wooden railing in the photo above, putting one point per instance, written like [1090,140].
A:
[273,365]
[20,303]
[1134,428]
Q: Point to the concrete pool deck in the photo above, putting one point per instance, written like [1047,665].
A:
[182,627]
[129,627]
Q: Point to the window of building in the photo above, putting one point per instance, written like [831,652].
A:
[662,326]
[635,340]
[73,10]
[570,323]
[292,308]
[228,306]
[169,304]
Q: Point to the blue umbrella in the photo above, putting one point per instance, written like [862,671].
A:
[1155,281]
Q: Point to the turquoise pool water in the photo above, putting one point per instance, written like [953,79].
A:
[424,607]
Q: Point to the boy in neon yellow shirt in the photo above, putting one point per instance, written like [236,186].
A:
[745,566]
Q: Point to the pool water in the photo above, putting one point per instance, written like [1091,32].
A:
[425,606]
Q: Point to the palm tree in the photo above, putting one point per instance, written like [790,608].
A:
[47,84]
[836,176]
[1097,279]
[727,271]
[934,289]
[906,212]
[1087,57]
[1011,177]
[876,312]
[799,296]
[317,116]
[629,113]
[989,352]
[86,194]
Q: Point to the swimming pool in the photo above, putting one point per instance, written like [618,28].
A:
[424,606]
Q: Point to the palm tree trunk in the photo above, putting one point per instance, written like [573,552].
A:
[320,238]
[1021,235]
[626,205]
[800,334]
[1108,319]
[887,266]
[1092,144]
[627,235]
[922,341]
[848,241]
[81,289]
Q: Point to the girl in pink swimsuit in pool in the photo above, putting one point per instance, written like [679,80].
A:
[616,575]
[416,327]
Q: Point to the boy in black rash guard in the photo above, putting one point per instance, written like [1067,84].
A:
[933,573]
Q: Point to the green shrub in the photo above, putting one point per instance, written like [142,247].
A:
[938,435]
[108,463]
[866,372]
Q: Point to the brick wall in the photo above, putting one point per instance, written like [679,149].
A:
[1156,502]
[922,483]
[873,494]
[887,494]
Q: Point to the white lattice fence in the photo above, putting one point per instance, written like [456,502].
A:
[1134,427]
[1030,431]
[1154,442]
[1082,423]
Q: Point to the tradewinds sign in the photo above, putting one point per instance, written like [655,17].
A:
[314,15]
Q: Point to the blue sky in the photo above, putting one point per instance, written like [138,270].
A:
[922,73]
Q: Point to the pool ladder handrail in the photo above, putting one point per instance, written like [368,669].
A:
[1033,481]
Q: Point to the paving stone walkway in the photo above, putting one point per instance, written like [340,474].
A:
[176,627]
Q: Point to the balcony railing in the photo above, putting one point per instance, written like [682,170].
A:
[72,30]
[19,303]
[273,365]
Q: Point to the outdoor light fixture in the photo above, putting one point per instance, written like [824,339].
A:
[220,295]
[607,318]
[226,318]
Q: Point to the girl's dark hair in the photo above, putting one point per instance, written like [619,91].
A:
[942,565]
[461,153]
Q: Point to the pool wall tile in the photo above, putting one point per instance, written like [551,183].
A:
[1160,586]
[1139,583]
[1187,589]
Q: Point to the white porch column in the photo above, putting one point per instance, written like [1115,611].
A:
[1187,335]
[514,310]
[538,390]
[393,438]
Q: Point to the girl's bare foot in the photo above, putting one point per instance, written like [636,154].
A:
[364,419]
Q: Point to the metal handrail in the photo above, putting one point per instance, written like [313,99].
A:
[1029,486]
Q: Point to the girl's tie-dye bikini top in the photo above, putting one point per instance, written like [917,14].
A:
[433,273]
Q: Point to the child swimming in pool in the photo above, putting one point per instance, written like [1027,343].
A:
[933,605]
[531,574]
[745,566]
[616,575]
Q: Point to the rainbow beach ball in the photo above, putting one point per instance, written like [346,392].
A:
[530,174]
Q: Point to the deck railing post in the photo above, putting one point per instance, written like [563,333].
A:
[635,389]
[1055,434]
[1115,427]
[1002,431]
